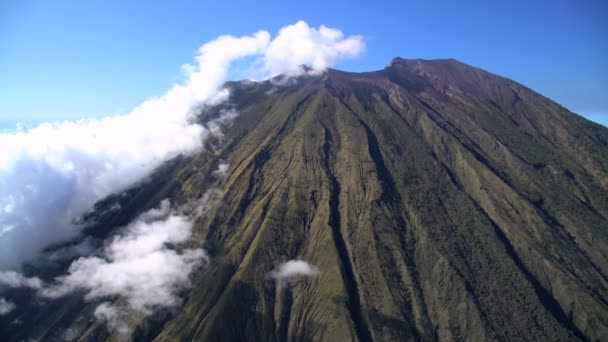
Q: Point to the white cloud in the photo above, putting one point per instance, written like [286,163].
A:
[137,265]
[319,49]
[114,316]
[294,268]
[14,279]
[54,172]
[222,168]
[6,306]
[140,265]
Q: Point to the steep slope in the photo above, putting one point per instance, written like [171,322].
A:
[439,202]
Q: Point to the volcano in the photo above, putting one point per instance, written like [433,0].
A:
[435,201]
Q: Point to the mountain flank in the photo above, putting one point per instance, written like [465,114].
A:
[438,201]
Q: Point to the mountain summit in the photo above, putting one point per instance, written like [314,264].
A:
[430,200]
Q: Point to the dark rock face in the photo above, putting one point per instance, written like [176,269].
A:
[439,202]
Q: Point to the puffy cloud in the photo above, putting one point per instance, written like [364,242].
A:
[6,306]
[293,268]
[137,265]
[222,168]
[52,173]
[14,279]
[318,49]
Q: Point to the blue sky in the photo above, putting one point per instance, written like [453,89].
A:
[74,59]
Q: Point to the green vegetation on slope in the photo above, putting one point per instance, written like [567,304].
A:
[439,202]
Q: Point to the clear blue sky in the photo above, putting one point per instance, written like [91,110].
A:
[72,59]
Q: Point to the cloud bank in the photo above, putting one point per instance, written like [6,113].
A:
[52,173]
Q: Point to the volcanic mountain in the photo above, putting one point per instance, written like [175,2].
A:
[437,201]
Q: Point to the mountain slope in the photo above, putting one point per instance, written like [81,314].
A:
[439,202]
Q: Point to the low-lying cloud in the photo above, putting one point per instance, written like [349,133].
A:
[141,265]
[292,269]
[14,279]
[115,317]
[6,306]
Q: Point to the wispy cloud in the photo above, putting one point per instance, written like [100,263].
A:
[115,316]
[6,306]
